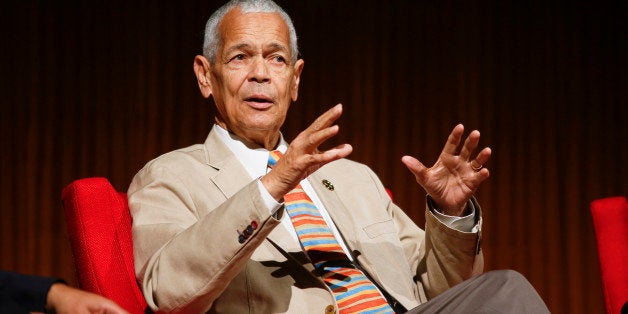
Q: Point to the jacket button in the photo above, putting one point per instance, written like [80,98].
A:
[247,232]
[330,309]
[241,239]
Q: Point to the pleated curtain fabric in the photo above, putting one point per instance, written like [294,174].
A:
[353,291]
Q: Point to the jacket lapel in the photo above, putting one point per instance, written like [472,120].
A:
[231,175]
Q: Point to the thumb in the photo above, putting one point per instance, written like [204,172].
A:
[416,167]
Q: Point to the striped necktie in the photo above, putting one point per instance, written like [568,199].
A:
[353,291]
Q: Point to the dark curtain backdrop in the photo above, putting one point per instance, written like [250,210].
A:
[98,88]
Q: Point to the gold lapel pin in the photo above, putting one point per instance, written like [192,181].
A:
[328,185]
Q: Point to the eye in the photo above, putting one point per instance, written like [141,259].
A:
[238,57]
[278,59]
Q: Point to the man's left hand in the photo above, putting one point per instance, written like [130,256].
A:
[453,179]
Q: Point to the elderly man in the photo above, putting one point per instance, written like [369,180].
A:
[249,223]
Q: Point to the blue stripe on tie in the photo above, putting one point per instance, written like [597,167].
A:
[321,231]
[355,290]
[312,230]
[319,241]
[303,212]
[344,283]
[303,205]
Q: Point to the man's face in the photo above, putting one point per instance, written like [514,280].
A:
[252,79]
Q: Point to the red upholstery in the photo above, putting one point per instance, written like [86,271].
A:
[99,227]
[610,219]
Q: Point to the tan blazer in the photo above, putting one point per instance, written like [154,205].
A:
[190,207]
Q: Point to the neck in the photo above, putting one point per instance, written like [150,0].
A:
[252,139]
[269,142]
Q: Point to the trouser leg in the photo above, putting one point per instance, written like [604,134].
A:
[501,291]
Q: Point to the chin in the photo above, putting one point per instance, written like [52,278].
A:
[263,123]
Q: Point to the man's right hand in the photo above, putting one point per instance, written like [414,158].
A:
[303,157]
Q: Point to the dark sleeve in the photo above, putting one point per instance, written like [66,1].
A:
[27,292]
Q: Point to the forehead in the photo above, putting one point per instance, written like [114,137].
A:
[253,28]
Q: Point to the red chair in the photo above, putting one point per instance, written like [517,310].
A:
[99,227]
[610,219]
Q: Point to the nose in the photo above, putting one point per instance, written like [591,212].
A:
[259,71]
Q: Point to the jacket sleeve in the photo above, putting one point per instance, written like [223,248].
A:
[185,256]
[28,292]
[451,256]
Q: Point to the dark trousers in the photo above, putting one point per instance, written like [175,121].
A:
[501,291]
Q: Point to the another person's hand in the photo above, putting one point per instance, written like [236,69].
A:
[65,299]
[453,179]
[303,157]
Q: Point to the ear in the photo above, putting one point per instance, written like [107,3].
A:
[202,69]
[298,68]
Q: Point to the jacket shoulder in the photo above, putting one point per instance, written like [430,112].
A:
[180,157]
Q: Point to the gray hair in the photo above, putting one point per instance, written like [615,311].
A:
[213,39]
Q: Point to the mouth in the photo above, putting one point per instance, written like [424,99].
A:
[259,101]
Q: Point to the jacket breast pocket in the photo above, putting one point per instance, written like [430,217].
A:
[380,228]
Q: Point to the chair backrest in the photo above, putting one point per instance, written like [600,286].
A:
[99,227]
[610,219]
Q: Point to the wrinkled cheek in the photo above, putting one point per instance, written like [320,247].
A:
[220,109]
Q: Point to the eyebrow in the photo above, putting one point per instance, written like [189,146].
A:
[278,46]
[237,47]
[243,46]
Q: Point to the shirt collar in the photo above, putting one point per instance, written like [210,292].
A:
[254,160]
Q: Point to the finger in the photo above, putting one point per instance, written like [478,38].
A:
[480,176]
[318,160]
[416,167]
[479,161]
[340,151]
[484,155]
[317,138]
[470,144]
[453,140]
[326,119]
[319,131]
